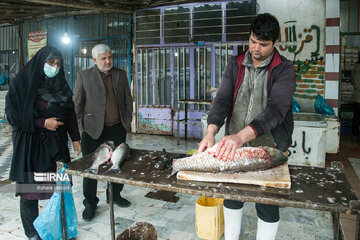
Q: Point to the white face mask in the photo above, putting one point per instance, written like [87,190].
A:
[50,71]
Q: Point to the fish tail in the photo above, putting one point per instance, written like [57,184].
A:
[173,172]
[117,170]
[91,170]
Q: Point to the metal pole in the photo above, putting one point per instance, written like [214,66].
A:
[184,76]
[164,76]
[198,77]
[146,77]
[178,78]
[226,54]
[111,202]
[357,232]
[178,128]
[186,120]
[157,69]
[336,221]
[220,63]
[205,73]
[141,88]
[63,217]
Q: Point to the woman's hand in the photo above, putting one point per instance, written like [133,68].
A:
[52,124]
[77,147]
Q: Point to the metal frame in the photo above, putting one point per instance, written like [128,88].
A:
[119,39]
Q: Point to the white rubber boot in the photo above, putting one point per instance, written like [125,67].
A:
[232,219]
[266,230]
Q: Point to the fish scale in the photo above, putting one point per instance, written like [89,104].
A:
[246,159]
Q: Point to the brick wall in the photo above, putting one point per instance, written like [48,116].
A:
[309,79]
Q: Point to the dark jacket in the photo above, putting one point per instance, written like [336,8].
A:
[90,100]
[277,116]
[36,149]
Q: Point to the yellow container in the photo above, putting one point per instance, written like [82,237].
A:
[209,218]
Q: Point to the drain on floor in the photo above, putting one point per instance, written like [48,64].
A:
[163,195]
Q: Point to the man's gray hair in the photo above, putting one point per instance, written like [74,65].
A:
[100,49]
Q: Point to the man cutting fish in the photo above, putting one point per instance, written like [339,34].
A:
[254,97]
[103,106]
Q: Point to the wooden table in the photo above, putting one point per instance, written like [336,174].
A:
[185,119]
[324,189]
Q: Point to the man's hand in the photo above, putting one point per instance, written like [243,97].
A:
[52,124]
[209,139]
[227,146]
[77,147]
[207,142]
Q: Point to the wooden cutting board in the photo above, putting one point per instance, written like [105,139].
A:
[278,177]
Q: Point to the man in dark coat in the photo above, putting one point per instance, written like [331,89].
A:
[103,106]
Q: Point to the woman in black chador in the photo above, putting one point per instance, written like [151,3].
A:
[40,109]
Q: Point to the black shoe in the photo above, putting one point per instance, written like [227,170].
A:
[89,213]
[121,202]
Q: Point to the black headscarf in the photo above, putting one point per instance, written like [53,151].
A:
[31,82]
[55,90]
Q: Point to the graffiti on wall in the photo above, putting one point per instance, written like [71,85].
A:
[150,124]
[295,41]
[306,150]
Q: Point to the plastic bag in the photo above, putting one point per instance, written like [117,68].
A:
[48,223]
[322,107]
[295,106]
[3,79]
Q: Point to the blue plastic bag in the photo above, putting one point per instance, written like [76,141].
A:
[48,223]
[3,79]
[295,106]
[322,107]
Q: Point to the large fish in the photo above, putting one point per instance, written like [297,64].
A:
[246,159]
[102,155]
[120,154]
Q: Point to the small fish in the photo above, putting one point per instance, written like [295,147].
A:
[246,159]
[102,155]
[166,161]
[120,154]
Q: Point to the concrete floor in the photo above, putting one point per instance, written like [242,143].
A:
[172,221]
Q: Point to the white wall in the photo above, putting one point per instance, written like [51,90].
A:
[301,14]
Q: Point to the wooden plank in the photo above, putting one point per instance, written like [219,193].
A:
[278,177]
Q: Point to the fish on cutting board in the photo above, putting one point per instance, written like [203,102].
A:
[120,154]
[246,159]
[102,155]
